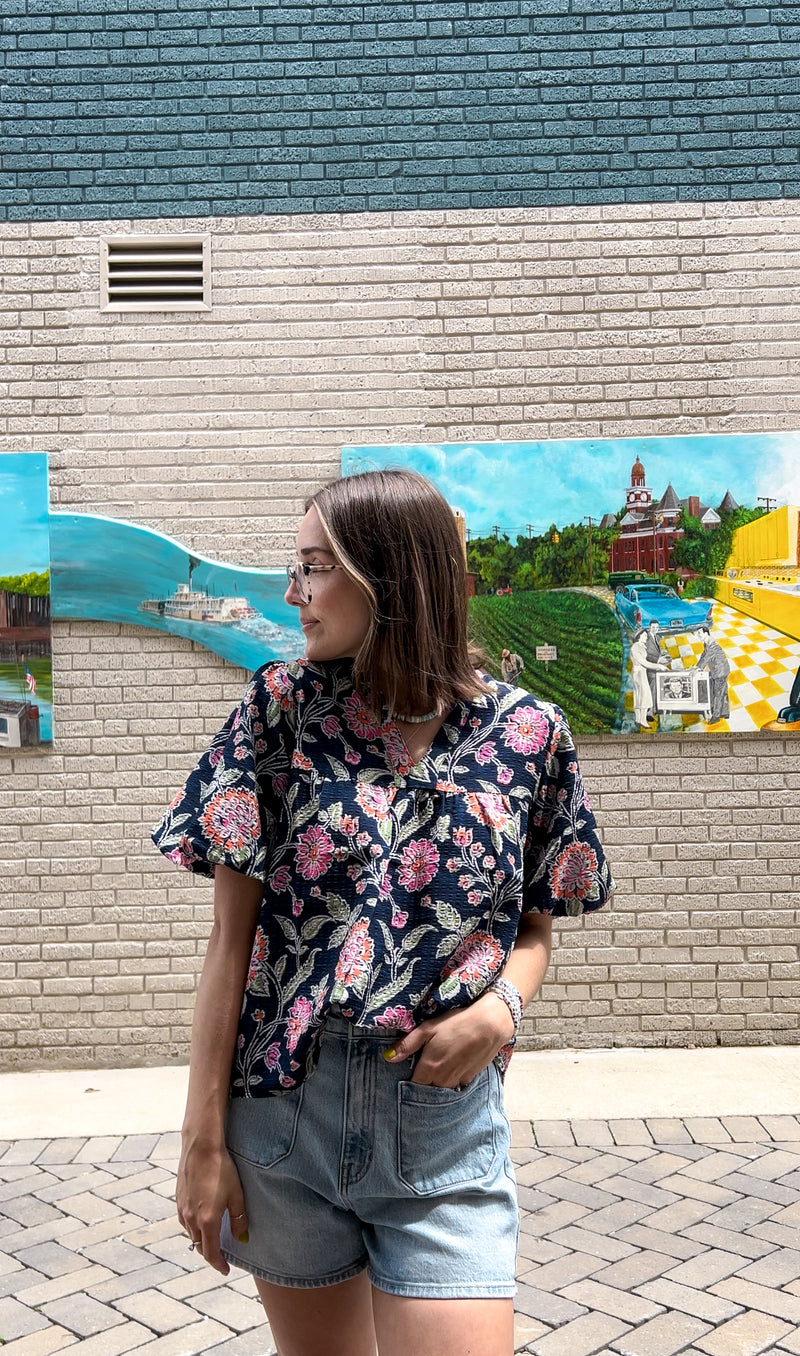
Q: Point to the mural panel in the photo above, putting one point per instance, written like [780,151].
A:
[646,585]
[26,666]
[108,570]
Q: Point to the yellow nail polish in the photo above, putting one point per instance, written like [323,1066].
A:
[245,1237]
[390,1054]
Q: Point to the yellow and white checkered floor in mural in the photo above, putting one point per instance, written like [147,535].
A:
[763,665]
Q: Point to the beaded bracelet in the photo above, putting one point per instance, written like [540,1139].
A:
[512,998]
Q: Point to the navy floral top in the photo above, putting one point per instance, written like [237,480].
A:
[392,890]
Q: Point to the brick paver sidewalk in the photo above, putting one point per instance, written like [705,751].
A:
[639,1238]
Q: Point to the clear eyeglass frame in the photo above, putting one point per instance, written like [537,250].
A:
[300,574]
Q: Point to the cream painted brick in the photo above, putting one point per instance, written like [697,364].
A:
[569,322]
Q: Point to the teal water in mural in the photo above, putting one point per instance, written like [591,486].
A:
[112,571]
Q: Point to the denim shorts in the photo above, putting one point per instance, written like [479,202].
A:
[360,1169]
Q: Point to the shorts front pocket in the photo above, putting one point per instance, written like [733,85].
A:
[445,1137]
[262,1130]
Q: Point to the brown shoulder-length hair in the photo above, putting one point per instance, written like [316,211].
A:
[396,537]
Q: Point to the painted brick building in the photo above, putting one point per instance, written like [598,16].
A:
[413,222]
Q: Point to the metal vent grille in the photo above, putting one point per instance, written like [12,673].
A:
[155,273]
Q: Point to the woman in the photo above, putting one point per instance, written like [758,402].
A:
[389,835]
[640,667]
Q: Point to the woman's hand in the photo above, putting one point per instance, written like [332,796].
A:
[208,1185]
[457,1045]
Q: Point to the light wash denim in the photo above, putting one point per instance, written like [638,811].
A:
[359,1168]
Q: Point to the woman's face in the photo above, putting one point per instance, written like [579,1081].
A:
[336,618]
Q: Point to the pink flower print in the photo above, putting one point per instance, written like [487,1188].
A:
[489,862]
[297,908]
[341,854]
[504,775]
[361,887]
[280,783]
[356,955]
[258,728]
[231,820]
[474,897]
[397,1019]
[573,875]
[352,757]
[420,863]
[213,758]
[259,1015]
[279,880]
[462,837]
[273,1055]
[464,882]
[240,1042]
[488,808]
[476,958]
[314,852]
[526,730]
[299,760]
[184,854]
[331,725]
[375,800]
[278,681]
[362,839]
[258,955]
[452,864]
[359,719]
[486,752]
[348,825]
[396,750]
[478,849]
[354,872]
[240,755]
[300,1014]
[399,919]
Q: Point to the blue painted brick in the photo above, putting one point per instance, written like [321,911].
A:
[364,86]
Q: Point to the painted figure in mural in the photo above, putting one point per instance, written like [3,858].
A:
[643,671]
[511,666]
[715,660]
[390,836]
[656,660]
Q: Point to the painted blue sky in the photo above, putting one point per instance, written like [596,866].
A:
[512,484]
[24,541]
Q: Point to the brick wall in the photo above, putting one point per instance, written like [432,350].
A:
[141,109]
[325,331]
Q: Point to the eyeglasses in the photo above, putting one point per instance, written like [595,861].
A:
[300,575]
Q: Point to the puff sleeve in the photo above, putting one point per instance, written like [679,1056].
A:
[565,872]
[221,815]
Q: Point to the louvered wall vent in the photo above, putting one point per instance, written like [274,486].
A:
[155,273]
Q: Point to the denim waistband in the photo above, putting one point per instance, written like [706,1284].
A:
[336,1025]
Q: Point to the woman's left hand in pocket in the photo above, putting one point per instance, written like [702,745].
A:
[456,1046]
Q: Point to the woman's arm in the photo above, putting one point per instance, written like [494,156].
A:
[208,1183]
[460,1043]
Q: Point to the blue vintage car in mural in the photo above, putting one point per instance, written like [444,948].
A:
[640,604]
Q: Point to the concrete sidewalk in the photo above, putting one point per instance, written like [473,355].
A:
[544,1085]
[659,1200]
